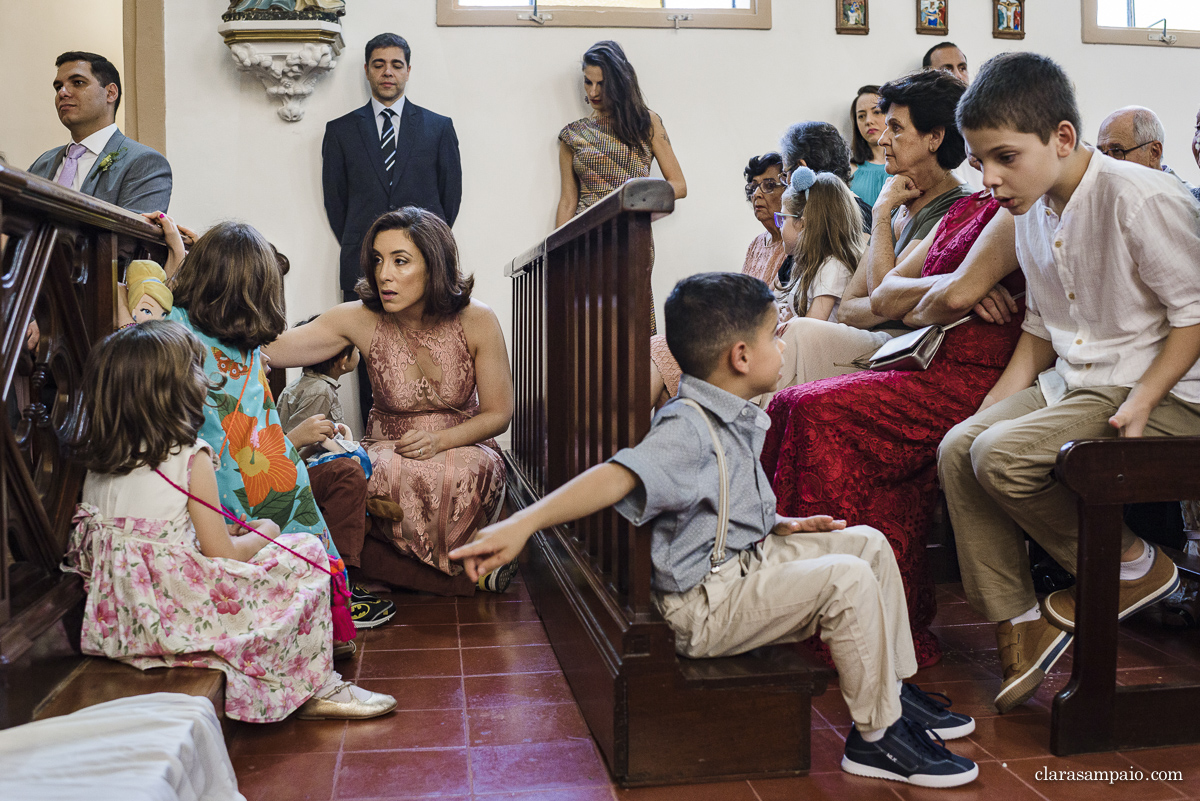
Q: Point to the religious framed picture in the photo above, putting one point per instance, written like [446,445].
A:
[853,17]
[933,17]
[1008,19]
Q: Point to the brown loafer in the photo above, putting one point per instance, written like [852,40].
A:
[1027,652]
[1160,581]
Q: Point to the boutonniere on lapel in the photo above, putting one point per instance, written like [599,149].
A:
[110,160]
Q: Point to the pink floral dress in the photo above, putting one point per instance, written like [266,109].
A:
[154,600]
[449,497]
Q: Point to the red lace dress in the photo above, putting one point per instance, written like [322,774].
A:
[863,446]
[425,379]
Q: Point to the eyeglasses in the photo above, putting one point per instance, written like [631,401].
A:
[780,217]
[769,186]
[1120,153]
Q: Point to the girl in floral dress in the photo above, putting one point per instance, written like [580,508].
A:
[169,583]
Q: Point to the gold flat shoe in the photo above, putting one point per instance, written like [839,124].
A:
[362,704]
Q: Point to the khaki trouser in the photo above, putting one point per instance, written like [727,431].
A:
[846,581]
[997,470]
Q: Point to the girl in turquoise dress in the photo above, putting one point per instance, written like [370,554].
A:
[228,291]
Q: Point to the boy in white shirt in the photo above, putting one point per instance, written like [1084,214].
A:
[1111,256]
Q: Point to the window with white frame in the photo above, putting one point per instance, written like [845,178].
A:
[607,13]
[1154,23]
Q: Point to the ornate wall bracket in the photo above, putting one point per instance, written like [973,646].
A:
[288,56]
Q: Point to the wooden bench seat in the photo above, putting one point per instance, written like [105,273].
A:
[581,368]
[97,681]
[1092,713]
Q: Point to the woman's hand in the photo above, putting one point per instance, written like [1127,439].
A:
[417,444]
[312,431]
[897,190]
[997,306]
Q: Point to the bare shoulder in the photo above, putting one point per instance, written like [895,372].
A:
[479,318]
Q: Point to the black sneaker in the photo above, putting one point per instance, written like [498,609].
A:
[906,753]
[369,611]
[928,712]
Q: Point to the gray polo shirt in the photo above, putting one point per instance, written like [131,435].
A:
[679,486]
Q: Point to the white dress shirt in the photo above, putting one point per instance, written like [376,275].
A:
[1110,278]
[94,144]
[397,107]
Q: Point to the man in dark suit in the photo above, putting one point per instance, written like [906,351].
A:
[101,161]
[388,154]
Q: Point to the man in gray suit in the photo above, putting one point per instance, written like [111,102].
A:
[101,161]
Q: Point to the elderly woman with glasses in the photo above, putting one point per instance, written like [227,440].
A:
[764,192]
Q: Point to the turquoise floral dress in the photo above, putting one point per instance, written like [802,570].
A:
[259,473]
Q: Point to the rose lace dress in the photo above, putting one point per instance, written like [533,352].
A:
[863,446]
[425,379]
[154,600]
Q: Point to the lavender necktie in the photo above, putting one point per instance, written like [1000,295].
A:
[71,165]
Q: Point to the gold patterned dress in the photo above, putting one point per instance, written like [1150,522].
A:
[425,379]
[602,162]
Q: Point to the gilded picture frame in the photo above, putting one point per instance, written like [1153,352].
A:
[933,17]
[853,16]
[1008,19]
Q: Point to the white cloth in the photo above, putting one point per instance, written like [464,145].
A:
[157,747]
[1110,278]
[94,144]
[397,108]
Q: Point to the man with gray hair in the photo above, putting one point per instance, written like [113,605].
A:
[1134,133]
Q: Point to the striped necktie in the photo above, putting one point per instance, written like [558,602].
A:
[387,142]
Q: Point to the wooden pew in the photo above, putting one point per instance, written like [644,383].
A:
[1092,713]
[60,254]
[581,367]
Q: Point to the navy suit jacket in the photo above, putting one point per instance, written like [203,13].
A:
[427,173]
[138,179]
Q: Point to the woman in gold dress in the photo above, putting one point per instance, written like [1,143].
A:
[617,142]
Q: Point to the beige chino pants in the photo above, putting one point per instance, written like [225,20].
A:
[846,581]
[997,471]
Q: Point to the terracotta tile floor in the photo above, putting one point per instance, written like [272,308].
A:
[485,714]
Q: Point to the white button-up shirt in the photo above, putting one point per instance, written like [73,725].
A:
[397,107]
[94,144]
[1110,278]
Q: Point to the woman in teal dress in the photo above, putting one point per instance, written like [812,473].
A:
[866,155]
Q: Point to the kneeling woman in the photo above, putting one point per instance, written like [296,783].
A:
[863,446]
[442,389]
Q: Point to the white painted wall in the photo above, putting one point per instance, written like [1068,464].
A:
[32,35]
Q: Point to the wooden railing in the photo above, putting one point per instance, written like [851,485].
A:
[581,367]
[581,334]
[60,255]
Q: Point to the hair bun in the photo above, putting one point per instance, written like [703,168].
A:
[802,179]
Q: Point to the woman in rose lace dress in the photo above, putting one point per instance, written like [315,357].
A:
[440,374]
[863,446]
